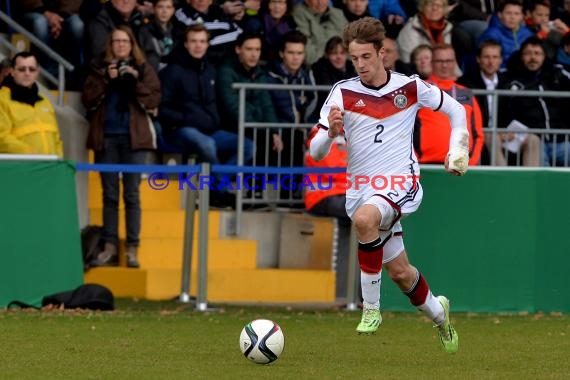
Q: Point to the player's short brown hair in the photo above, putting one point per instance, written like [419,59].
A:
[366,30]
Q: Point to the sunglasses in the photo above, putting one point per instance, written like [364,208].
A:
[23,69]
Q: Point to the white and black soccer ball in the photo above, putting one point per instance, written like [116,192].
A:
[262,341]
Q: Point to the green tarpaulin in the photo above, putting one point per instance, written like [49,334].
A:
[40,245]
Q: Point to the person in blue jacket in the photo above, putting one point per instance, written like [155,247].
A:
[507,28]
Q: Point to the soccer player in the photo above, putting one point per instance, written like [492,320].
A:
[376,112]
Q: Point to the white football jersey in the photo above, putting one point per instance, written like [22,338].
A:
[379,124]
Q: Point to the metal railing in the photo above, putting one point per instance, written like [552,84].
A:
[63,64]
[543,133]
[243,126]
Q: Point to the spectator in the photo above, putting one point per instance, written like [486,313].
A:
[530,70]
[429,26]
[117,13]
[27,120]
[421,60]
[189,112]
[318,22]
[392,59]
[471,15]
[488,77]
[276,20]
[58,25]
[563,54]
[332,67]
[244,68]
[222,27]
[161,29]
[433,129]
[120,90]
[5,69]
[354,9]
[391,14]
[565,14]
[91,8]
[292,106]
[249,20]
[538,20]
[507,28]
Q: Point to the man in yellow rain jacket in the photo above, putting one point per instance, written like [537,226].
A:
[27,120]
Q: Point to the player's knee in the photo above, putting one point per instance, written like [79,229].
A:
[366,222]
[401,274]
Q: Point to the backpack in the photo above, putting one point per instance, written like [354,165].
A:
[87,296]
[90,244]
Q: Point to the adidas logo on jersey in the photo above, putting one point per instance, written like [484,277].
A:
[360,103]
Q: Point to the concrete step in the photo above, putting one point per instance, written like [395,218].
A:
[240,285]
[161,223]
[167,253]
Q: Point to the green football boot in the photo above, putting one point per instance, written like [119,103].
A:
[370,321]
[447,334]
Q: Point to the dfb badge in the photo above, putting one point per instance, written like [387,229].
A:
[400,101]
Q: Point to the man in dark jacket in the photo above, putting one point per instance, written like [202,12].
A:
[488,76]
[113,14]
[529,69]
[332,67]
[244,67]
[292,106]
[58,25]
[188,112]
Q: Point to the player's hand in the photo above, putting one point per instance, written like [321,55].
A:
[456,162]
[336,121]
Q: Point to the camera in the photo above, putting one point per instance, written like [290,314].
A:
[122,66]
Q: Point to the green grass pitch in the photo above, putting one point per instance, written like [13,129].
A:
[168,340]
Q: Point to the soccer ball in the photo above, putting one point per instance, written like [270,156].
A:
[261,341]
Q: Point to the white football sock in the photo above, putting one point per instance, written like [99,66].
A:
[370,283]
[433,309]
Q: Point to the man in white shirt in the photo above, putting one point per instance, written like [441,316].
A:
[376,112]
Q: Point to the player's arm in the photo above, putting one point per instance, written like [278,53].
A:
[457,159]
[321,143]
[330,126]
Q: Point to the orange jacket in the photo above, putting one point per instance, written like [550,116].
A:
[329,184]
[433,129]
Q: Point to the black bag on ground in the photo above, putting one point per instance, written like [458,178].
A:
[90,244]
[87,296]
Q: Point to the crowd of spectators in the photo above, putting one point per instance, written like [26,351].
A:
[298,42]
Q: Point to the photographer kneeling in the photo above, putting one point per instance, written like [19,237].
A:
[120,90]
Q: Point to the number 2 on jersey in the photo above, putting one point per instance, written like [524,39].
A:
[380,129]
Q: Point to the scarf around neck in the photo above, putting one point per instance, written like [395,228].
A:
[434,29]
[21,94]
